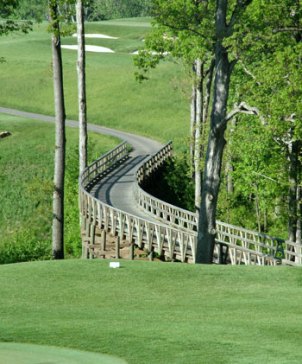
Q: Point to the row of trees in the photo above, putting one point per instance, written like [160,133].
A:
[59,12]
[113,9]
[59,102]
[244,57]
[92,9]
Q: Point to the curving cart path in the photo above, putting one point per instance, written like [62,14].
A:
[116,189]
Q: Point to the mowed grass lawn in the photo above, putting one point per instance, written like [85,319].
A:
[155,312]
[143,312]
[158,108]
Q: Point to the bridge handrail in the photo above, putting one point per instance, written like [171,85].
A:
[226,233]
[104,162]
[151,164]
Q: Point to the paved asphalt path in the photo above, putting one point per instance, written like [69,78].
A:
[117,188]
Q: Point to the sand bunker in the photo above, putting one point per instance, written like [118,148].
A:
[103,36]
[90,48]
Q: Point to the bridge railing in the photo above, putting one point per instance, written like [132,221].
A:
[163,239]
[103,164]
[263,246]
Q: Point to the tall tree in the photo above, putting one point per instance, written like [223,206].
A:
[273,83]
[81,87]
[182,35]
[60,139]
[192,23]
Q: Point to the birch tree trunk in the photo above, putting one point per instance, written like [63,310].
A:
[216,143]
[59,169]
[198,127]
[192,123]
[199,116]
[81,87]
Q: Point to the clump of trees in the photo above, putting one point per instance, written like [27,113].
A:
[244,57]
[113,9]
[93,10]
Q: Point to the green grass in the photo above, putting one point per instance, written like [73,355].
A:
[26,164]
[11,353]
[158,108]
[154,312]
[115,99]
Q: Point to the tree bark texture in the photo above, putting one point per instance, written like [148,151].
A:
[198,126]
[216,143]
[81,87]
[293,192]
[59,169]
[192,124]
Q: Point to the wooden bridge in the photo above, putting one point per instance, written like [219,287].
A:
[116,210]
[156,226]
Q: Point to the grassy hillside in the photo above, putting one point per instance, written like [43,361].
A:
[26,165]
[154,312]
[115,99]
[158,108]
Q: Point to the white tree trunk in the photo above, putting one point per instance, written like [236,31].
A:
[198,125]
[81,87]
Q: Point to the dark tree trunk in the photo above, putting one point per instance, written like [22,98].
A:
[299,227]
[59,170]
[216,143]
[293,192]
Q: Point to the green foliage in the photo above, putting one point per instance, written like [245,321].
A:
[113,9]
[33,10]
[23,246]
[7,7]
[61,16]
[26,189]
[268,77]
[8,25]
[259,182]
[173,183]
[183,29]
[179,188]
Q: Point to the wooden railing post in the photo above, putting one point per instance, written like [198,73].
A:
[117,247]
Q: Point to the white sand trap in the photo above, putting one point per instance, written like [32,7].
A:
[103,36]
[90,48]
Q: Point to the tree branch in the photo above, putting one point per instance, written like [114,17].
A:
[288,29]
[166,24]
[244,108]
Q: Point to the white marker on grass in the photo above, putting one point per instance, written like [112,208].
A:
[114,265]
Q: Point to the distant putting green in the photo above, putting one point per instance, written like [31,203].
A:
[12,353]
